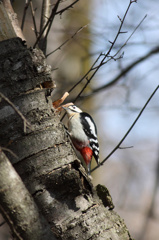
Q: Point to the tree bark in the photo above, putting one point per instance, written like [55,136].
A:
[18,207]
[46,160]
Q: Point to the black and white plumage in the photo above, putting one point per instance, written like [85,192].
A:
[90,130]
[83,133]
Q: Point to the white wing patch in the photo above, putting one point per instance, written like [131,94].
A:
[96,153]
[95,147]
[94,140]
[92,127]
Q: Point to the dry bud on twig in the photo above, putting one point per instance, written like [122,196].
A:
[56,104]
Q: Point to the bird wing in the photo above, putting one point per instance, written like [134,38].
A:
[90,130]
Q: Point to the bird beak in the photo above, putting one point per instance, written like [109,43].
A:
[66,106]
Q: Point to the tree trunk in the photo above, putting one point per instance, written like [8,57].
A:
[46,161]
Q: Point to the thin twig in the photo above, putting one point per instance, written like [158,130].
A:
[27,2]
[26,123]
[67,40]
[33,17]
[86,73]
[66,8]
[113,57]
[2,223]
[131,35]
[121,141]
[126,147]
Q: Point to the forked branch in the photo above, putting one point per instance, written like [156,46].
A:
[95,68]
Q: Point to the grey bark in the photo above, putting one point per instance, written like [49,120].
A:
[18,207]
[46,160]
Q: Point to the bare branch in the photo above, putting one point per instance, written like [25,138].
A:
[124,71]
[110,57]
[49,22]
[114,56]
[103,59]
[45,13]
[121,141]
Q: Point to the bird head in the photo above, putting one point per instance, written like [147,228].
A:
[71,110]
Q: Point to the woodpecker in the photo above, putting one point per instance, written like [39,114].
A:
[83,133]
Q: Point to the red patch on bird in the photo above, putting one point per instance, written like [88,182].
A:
[86,153]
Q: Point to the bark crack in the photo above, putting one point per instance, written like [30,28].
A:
[89,208]
[39,152]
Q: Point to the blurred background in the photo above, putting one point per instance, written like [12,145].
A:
[77,37]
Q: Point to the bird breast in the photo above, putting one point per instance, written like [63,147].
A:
[76,131]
